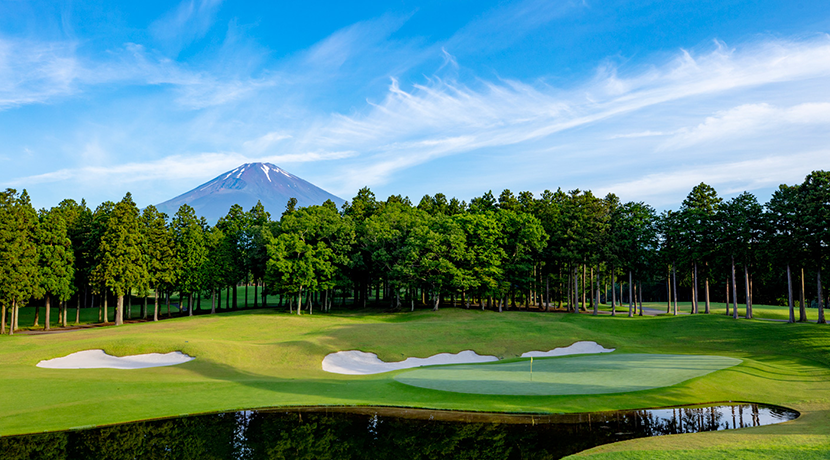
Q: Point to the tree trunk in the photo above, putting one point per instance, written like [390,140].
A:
[119,311]
[167,297]
[47,314]
[674,287]
[706,290]
[234,302]
[821,319]
[300,302]
[3,320]
[734,291]
[630,294]
[256,293]
[584,291]
[727,295]
[436,300]
[78,308]
[547,293]
[668,290]
[748,314]
[37,316]
[613,291]
[190,304]
[156,304]
[802,308]
[695,293]
[144,307]
[12,319]
[594,299]
[105,312]
[213,301]
[791,318]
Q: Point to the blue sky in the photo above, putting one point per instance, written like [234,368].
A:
[644,99]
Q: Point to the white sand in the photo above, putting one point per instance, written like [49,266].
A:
[360,363]
[97,359]
[577,348]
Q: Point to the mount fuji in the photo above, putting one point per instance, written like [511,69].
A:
[246,185]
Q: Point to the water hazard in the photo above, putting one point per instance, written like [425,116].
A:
[379,433]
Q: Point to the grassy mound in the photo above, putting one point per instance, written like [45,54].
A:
[572,375]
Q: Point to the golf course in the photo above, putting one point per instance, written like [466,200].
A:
[266,358]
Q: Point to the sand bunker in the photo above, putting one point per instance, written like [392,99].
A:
[97,359]
[577,348]
[360,363]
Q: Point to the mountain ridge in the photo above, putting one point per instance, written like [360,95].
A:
[245,185]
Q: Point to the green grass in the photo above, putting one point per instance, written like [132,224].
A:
[263,358]
[572,375]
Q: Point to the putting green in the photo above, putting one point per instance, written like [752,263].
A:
[572,375]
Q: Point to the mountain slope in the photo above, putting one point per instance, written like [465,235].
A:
[244,186]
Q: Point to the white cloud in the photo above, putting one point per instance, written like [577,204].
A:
[446,117]
[671,186]
[747,120]
[171,168]
[189,21]
[36,72]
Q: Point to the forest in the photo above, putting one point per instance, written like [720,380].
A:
[564,251]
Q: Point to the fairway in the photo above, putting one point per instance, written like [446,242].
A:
[573,375]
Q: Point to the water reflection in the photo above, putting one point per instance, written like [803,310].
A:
[379,433]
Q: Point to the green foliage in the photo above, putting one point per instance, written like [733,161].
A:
[19,273]
[55,257]
[191,251]
[121,263]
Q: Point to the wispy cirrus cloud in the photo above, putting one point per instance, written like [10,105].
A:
[446,117]
[34,72]
[189,21]
[747,120]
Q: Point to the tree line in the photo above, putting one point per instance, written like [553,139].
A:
[562,250]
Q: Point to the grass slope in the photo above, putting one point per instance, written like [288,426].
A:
[571,375]
[263,358]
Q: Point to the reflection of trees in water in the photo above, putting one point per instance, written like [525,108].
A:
[261,435]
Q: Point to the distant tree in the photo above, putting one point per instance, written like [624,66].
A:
[698,234]
[739,220]
[482,266]
[522,240]
[78,219]
[18,251]
[159,253]
[431,255]
[256,235]
[191,253]
[121,264]
[92,249]
[232,249]
[56,262]
[815,202]
[781,235]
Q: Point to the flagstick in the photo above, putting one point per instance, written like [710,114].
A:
[531,368]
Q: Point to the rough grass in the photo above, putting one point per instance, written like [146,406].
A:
[263,358]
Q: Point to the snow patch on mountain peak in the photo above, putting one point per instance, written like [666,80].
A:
[266,169]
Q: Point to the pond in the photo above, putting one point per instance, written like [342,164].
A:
[379,433]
